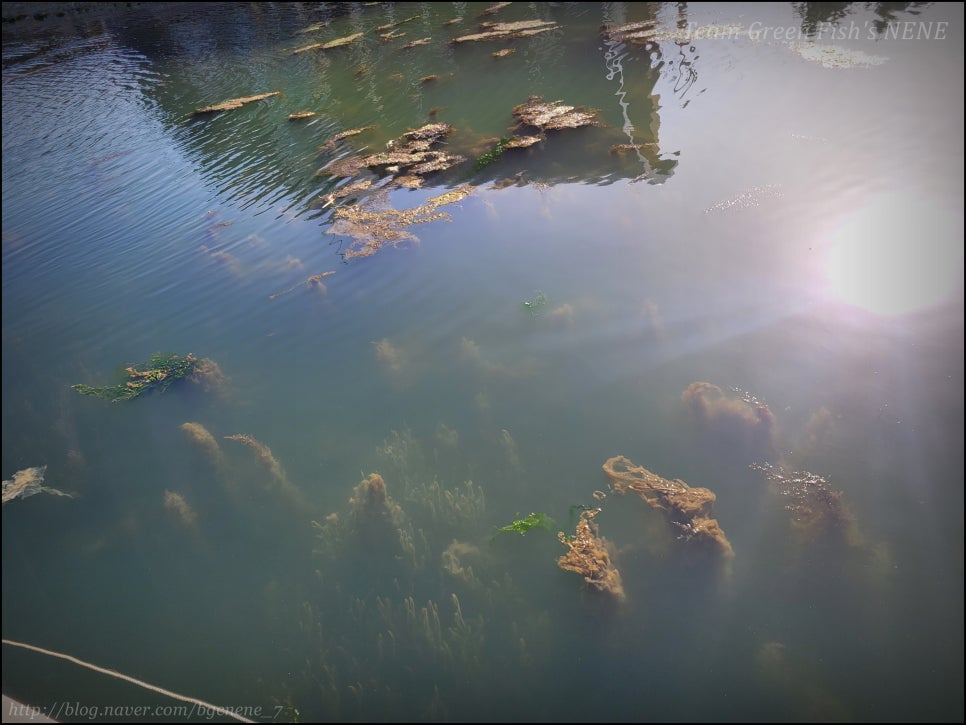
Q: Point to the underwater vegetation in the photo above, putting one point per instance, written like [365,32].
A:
[815,507]
[157,374]
[530,521]
[738,420]
[688,508]
[507,31]
[27,483]
[233,103]
[588,556]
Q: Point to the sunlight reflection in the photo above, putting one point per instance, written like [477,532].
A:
[896,255]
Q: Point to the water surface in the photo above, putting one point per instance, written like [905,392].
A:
[790,231]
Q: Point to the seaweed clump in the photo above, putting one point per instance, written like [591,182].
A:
[740,420]
[554,115]
[412,153]
[814,505]
[530,521]
[27,483]
[688,507]
[157,374]
[587,555]
[372,228]
[507,31]
[233,103]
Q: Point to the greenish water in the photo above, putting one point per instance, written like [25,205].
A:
[790,232]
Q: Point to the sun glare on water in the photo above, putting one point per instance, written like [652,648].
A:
[896,255]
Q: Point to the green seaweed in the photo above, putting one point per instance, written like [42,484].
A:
[157,374]
[531,521]
[536,304]
[490,156]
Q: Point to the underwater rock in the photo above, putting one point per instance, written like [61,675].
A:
[688,508]
[232,104]
[29,482]
[587,555]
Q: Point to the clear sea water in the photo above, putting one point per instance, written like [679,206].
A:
[791,233]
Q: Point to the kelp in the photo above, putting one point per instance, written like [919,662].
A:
[156,375]
[587,555]
[313,282]
[528,522]
[29,482]
[298,116]
[372,228]
[507,31]
[233,103]
[553,116]
[688,508]
[331,143]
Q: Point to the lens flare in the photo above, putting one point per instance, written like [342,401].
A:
[897,255]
